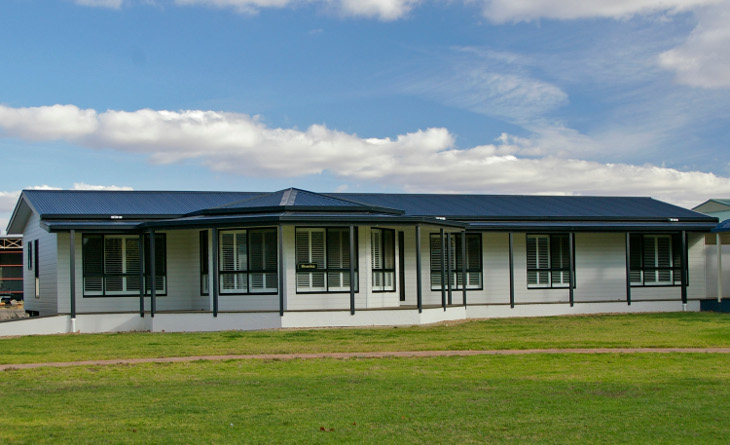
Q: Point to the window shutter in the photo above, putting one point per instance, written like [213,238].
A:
[664,258]
[93,263]
[389,249]
[131,263]
[377,249]
[635,258]
[228,259]
[113,263]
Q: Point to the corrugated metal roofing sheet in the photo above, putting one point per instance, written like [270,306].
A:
[152,203]
[159,204]
[290,198]
[521,206]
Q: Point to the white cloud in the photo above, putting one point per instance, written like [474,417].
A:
[485,82]
[381,9]
[703,60]
[423,160]
[502,11]
[113,4]
[240,6]
[84,186]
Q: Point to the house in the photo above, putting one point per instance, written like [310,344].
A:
[715,207]
[182,261]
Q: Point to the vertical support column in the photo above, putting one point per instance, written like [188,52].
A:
[72,272]
[684,267]
[443,270]
[211,273]
[153,275]
[511,272]
[628,268]
[571,266]
[281,270]
[463,268]
[214,272]
[419,286]
[718,240]
[141,275]
[449,278]
[352,269]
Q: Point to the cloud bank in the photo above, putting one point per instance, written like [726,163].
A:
[423,160]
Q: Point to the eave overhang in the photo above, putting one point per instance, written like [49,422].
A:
[591,226]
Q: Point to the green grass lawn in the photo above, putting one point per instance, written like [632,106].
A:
[608,331]
[545,398]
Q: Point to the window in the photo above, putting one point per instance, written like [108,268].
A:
[655,260]
[204,275]
[36,270]
[383,260]
[323,259]
[111,265]
[248,263]
[473,261]
[29,254]
[548,260]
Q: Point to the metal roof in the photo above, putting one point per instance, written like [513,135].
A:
[526,206]
[723,226]
[70,203]
[293,200]
[590,226]
[129,210]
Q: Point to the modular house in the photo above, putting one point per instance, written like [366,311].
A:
[187,261]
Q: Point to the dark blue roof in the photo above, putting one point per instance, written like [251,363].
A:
[485,212]
[137,203]
[525,206]
[292,199]
[723,226]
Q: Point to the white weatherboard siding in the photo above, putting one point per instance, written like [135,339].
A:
[495,265]
[711,258]
[46,304]
[600,263]
[182,279]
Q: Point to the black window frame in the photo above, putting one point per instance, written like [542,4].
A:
[160,266]
[328,269]
[378,269]
[638,260]
[561,240]
[455,267]
[249,271]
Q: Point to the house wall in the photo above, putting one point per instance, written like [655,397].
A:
[600,261]
[365,298]
[183,290]
[711,258]
[46,302]
[600,276]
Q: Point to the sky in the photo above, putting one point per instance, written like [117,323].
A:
[560,97]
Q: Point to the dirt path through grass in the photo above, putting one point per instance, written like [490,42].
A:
[348,355]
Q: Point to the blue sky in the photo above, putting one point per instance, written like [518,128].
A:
[595,97]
